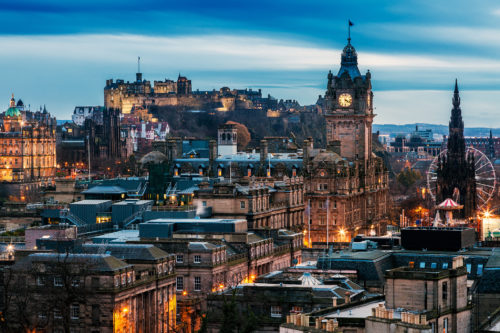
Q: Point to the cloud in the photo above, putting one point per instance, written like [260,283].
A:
[224,52]
[479,108]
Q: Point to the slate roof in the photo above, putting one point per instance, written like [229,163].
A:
[202,246]
[103,189]
[94,262]
[141,252]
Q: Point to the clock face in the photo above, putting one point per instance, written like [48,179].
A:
[345,100]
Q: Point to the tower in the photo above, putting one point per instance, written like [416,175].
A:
[349,112]
[456,172]
[491,148]
[227,139]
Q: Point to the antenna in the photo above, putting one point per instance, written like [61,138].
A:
[138,64]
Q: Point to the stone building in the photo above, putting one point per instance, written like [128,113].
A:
[438,297]
[93,292]
[28,146]
[264,204]
[456,174]
[142,93]
[213,255]
[346,184]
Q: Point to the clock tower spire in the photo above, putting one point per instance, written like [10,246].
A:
[349,112]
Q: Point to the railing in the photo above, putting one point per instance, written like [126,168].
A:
[172,208]
[94,228]
[131,218]
[11,239]
[66,214]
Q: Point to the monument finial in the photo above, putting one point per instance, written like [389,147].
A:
[349,31]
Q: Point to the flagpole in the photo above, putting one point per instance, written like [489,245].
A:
[309,221]
[327,226]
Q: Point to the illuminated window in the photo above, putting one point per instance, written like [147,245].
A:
[219,172]
[176,172]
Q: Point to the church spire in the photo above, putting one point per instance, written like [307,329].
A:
[456,95]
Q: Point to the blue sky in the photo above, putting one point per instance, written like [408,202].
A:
[60,53]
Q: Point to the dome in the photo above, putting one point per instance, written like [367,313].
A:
[154,157]
[349,61]
[12,111]
[327,157]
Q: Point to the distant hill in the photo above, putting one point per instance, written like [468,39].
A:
[437,129]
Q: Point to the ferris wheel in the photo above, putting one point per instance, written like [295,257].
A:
[485,176]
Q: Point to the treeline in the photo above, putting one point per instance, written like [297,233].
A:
[201,124]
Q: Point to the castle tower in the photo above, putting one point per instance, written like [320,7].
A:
[456,172]
[227,140]
[349,112]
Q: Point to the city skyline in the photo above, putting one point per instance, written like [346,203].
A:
[414,51]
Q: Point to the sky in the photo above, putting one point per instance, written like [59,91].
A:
[59,53]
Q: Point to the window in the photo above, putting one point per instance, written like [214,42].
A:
[180,283]
[422,265]
[469,267]
[445,325]
[433,265]
[129,277]
[58,281]
[74,311]
[179,259]
[57,314]
[445,291]
[39,281]
[204,203]
[480,269]
[445,265]
[117,281]
[124,279]
[242,204]
[197,283]
[297,309]
[276,311]
[197,259]
[75,282]
[95,314]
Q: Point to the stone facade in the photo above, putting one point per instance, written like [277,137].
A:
[439,294]
[264,204]
[92,293]
[27,144]
[346,184]
[141,93]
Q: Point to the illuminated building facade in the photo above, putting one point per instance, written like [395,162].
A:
[346,184]
[27,148]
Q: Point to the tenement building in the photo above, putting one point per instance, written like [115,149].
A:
[27,151]
[346,184]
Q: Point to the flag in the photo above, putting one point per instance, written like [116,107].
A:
[350,23]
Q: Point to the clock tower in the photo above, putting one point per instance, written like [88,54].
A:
[349,109]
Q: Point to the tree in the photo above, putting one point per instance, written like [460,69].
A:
[39,293]
[408,178]
[243,136]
